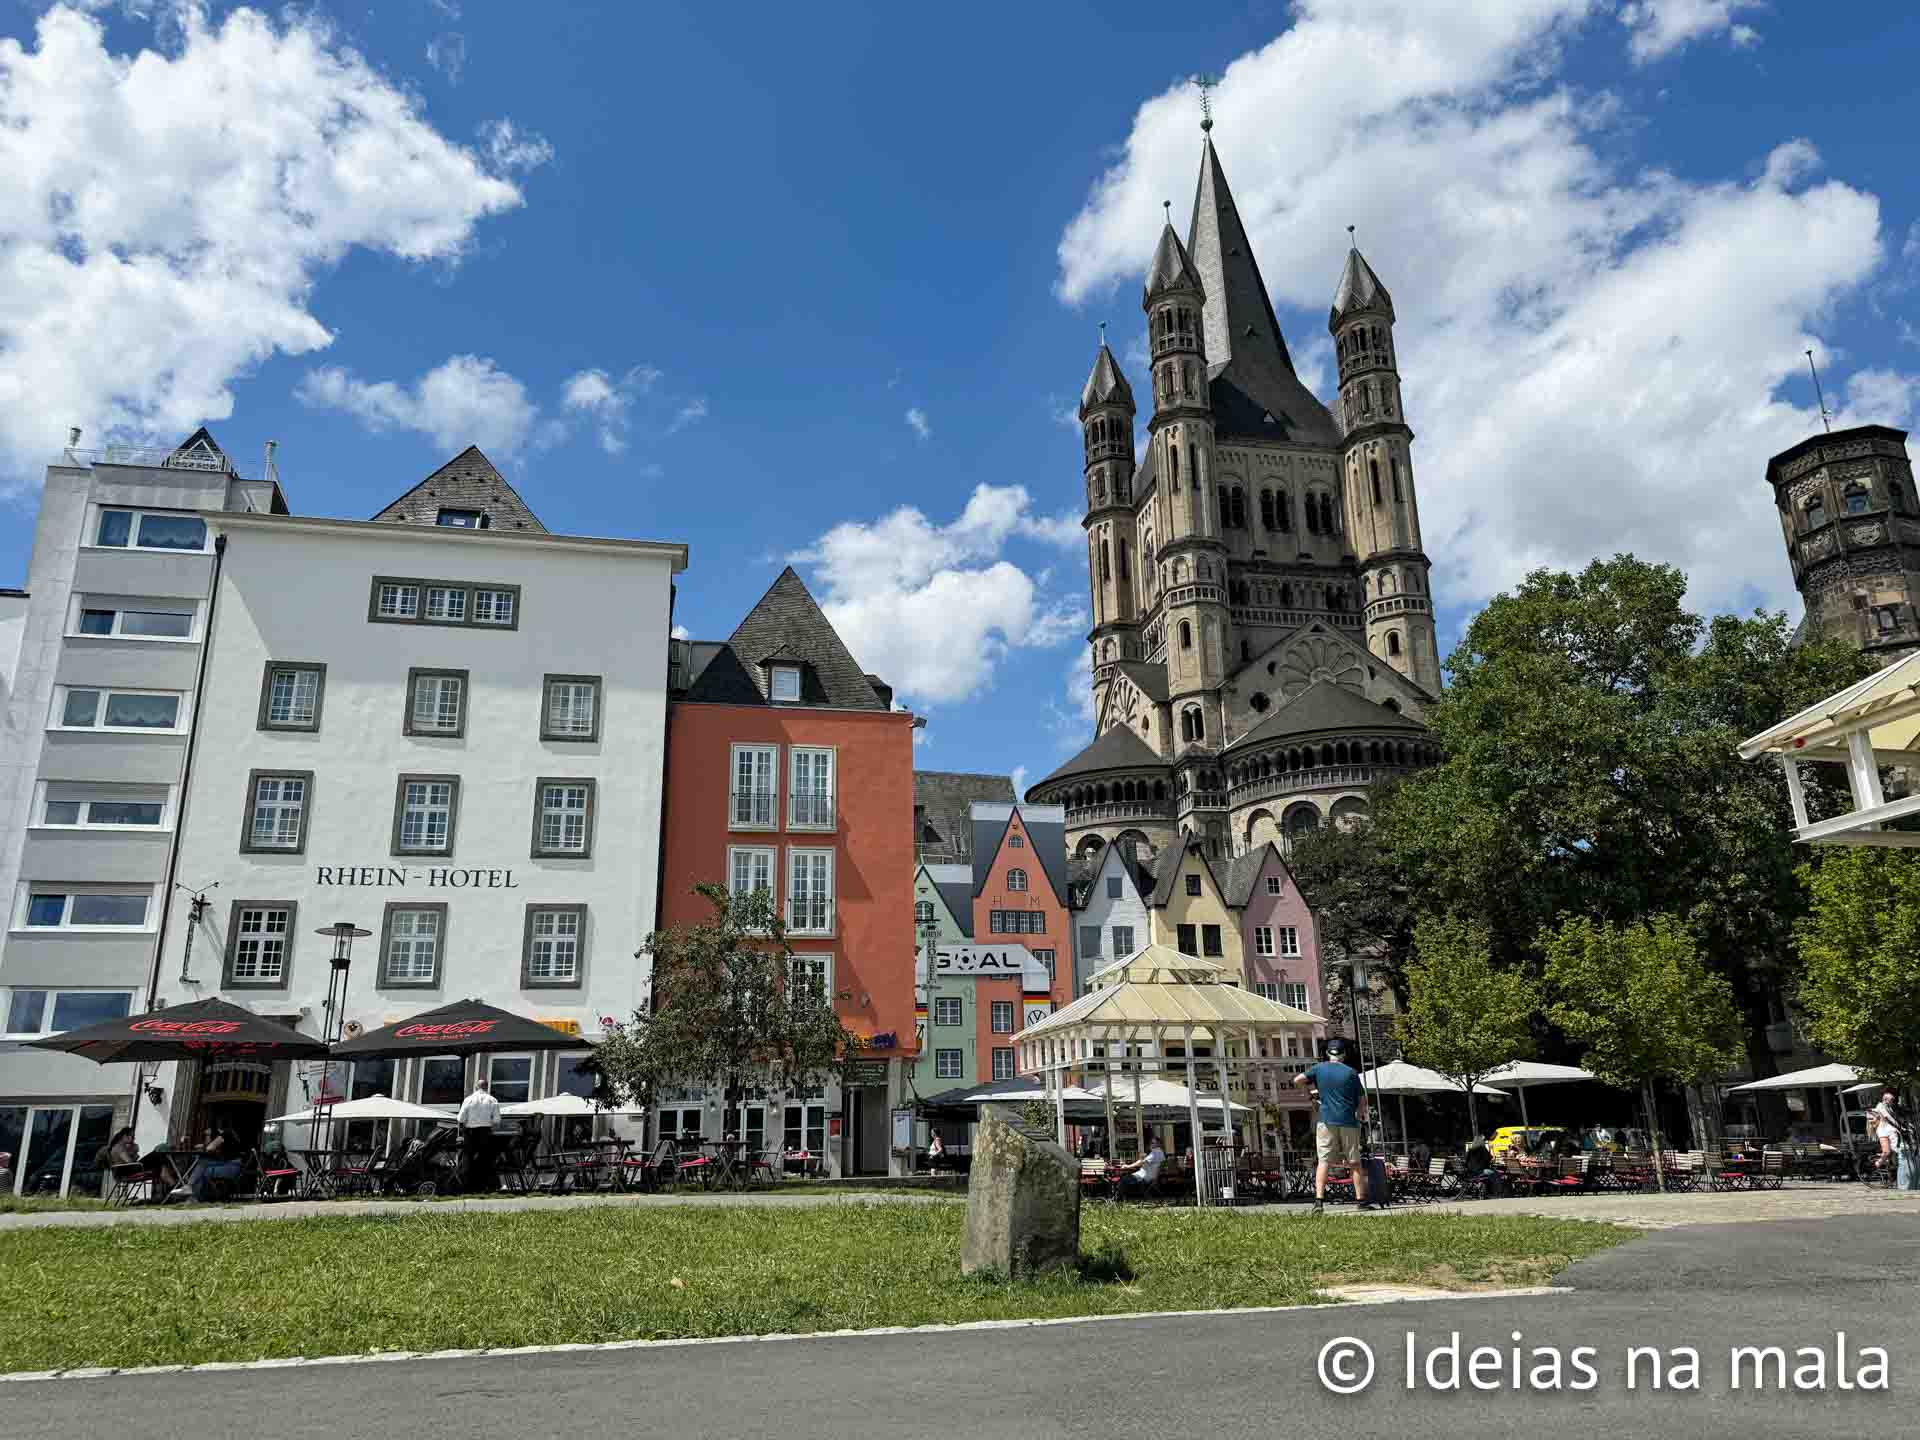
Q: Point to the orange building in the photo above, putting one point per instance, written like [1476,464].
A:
[788,770]
[1020,898]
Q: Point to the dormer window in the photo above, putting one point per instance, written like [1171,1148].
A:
[784,684]
[462,519]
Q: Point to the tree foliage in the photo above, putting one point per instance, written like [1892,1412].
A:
[1642,1001]
[1465,1018]
[1590,735]
[729,1009]
[1359,894]
[1860,942]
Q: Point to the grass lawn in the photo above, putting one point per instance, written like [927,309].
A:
[425,1281]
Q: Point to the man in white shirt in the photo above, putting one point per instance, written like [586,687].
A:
[1143,1172]
[479,1113]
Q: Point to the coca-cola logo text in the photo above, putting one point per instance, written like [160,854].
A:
[453,1031]
[186,1027]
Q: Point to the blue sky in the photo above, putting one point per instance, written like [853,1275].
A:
[797,282]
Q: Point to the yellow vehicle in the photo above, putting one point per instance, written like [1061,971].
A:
[1533,1139]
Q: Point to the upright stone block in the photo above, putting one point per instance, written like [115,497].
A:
[1023,1202]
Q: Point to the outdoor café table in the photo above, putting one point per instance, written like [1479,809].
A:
[332,1172]
[726,1169]
[802,1162]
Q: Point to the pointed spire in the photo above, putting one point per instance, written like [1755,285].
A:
[1171,268]
[1106,385]
[1239,316]
[1360,289]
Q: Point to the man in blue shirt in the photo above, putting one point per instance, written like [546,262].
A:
[1343,1108]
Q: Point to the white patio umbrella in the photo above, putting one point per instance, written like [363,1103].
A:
[372,1107]
[1521,1074]
[565,1105]
[1399,1078]
[1819,1077]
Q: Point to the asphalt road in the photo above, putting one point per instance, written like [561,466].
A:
[1788,1283]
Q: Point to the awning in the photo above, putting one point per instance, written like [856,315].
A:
[466,1027]
[204,1030]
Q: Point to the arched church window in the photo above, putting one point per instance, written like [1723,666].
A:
[1173,459]
[1186,636]
[1226,507]
[1373,467]
[1239,508]
[1193,468]
[1854,499]
[1246,651]
[1259,702]
[1313,516]
[1199,724]
[1125,574]
[1267,521]
[1286,596]
[1105,569]
[1366,397]
[1393,642]
[1328,516]
[1396,480]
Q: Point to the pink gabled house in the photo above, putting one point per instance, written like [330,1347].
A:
[1281,945]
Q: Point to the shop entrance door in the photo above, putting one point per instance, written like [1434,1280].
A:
[868,1121]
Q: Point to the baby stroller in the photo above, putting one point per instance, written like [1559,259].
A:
[429,1166]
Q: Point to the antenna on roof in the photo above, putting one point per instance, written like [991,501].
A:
[1825,418]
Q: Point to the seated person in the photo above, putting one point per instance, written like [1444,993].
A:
[1478,1158]
[1420,1156]
[1140,1174]
[936,1152]
[219,1161]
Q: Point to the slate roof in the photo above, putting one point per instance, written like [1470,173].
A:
[943,824]
[1148,675]
[1046,827]
[1171,268]
[1244,870]
[788,626]
[469,481]
[1360,289]
[1325,708]
[1106,383]
[203,436]
[1166,867]
[1255,392]
[1117,749]
[955,886]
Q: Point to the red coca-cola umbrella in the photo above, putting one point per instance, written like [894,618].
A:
[204,1030]
[466,1027]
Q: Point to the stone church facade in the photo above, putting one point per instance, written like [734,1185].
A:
[1263,639]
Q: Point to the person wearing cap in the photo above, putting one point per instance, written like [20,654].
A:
[1343,1109]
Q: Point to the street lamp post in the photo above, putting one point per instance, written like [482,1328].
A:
[343,933]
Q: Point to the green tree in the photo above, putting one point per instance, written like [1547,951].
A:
[1589,734]
[1643,1003]
[1860,941]
[730,1007]
[1359,894]
[1465,1018]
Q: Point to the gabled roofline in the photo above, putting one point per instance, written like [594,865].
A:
[449,535]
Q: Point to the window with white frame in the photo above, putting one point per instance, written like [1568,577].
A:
[461,519]
[259,942]
[563,822]
[88,708]
[947,1010]
[436,702]
[571,710]
[77,907]
[447,603]
[1294,993]
[946,1064]
[423,824]
[811,804]
[1113,887]
[1122,941]
[65,804]
[1045,957]
[749,869]
[1273,884]
[1289,940]
[810,892]
[290,696]
[50,1012]
[1263,940]
[1001,1017]
[411,952]
[1003,1064]
[784,684]
[494,607]
[1266,990]
[756,771]
[510,1078]
[553,941]
[1017,881]
[394,600]
[812,974]
[1089,942]
[132,620]
[923,912]
[1016,842]
[277,807]
[804,1128]
[150,530]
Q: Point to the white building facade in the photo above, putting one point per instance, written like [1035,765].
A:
[1110,921]
[449,734]
[100,657]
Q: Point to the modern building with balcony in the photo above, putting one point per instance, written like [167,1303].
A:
[101,663]
[789,771]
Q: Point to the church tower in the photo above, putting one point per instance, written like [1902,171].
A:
[1192,557]
[1106,423]
[1383,514]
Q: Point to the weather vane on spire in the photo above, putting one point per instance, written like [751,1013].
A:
[1205,85]
[1103,334]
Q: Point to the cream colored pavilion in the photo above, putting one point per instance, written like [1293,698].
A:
[1154,998]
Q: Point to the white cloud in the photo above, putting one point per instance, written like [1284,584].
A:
[466,401]
[1881,397]
[933,607]
[511,148]
[166,216]
[1019,778]
[1657,28]
[448,54]
[1594,358]
[607,402]
[917,421]
[680,632]
[690,412]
